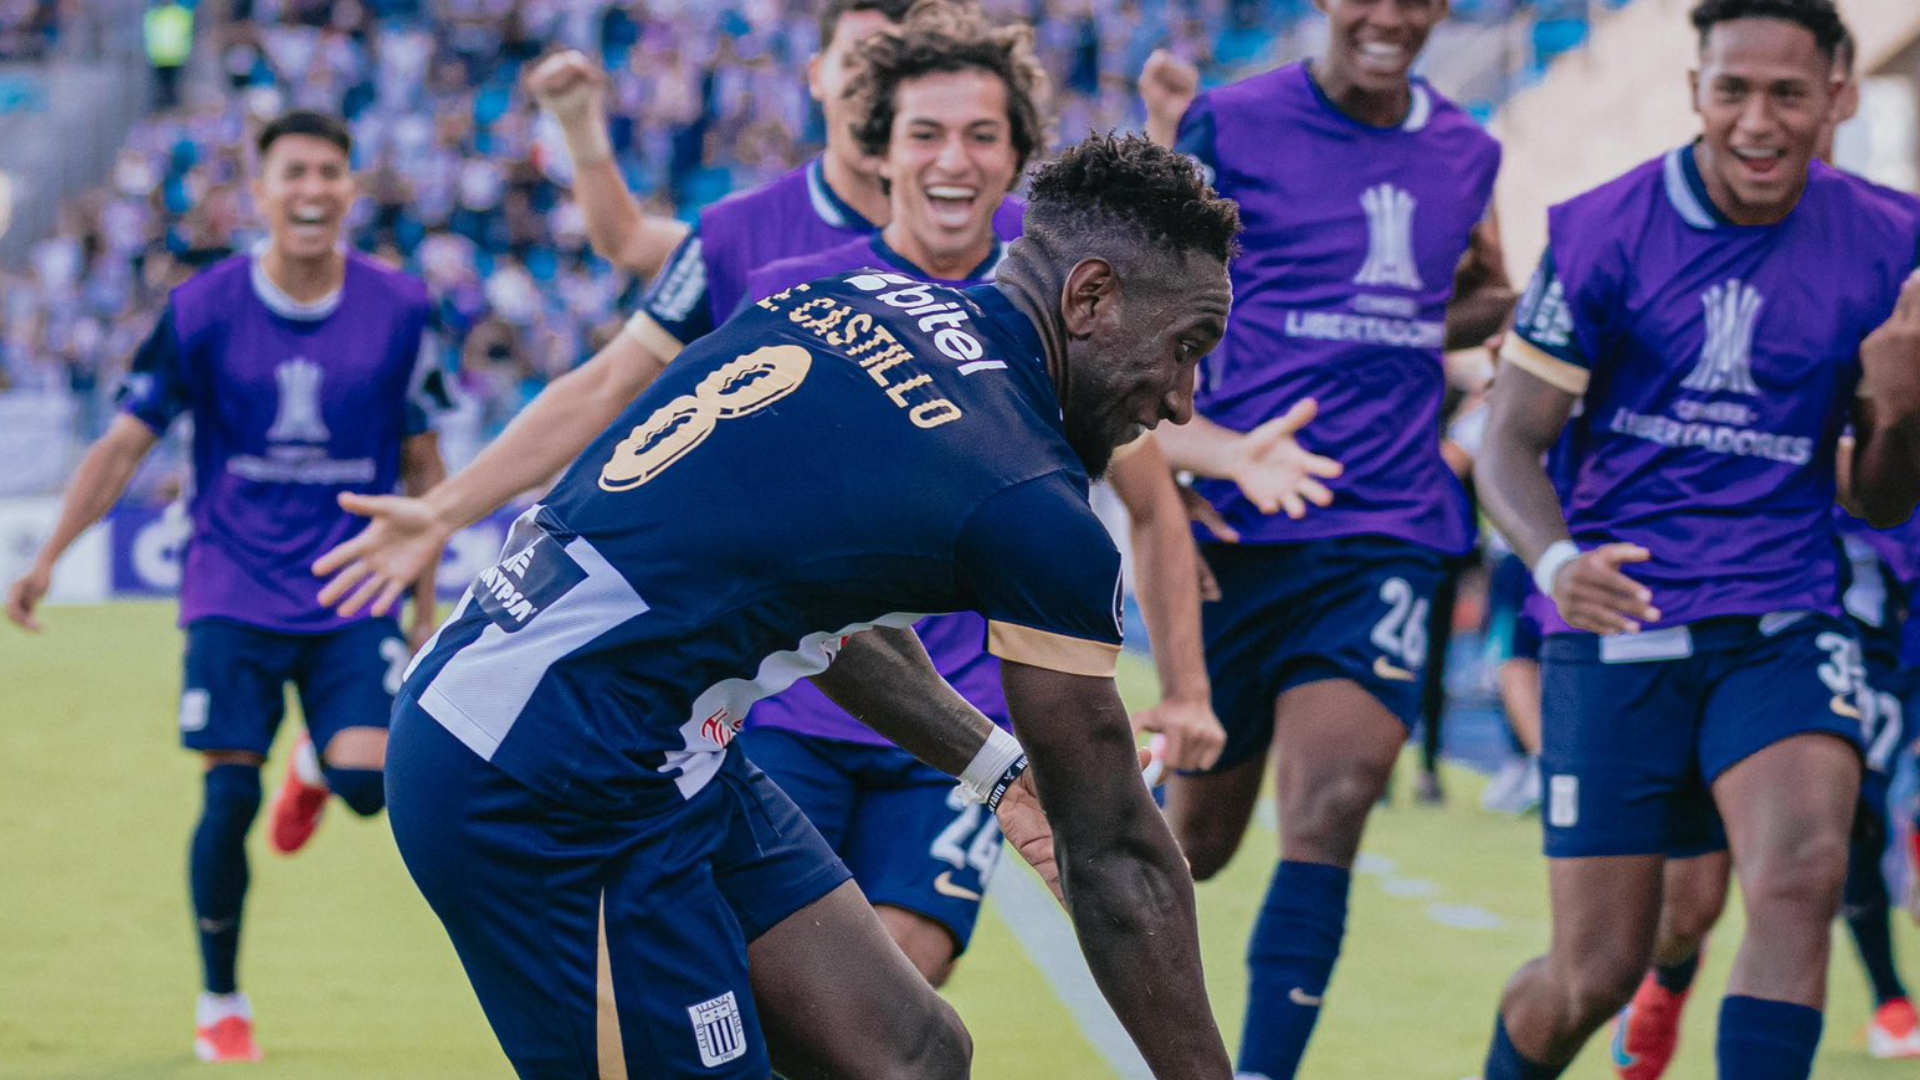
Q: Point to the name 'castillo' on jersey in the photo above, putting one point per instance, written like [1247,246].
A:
[1718,365]
[291,406]
[1353,235]
[705,280]
[849,453]
[956,642]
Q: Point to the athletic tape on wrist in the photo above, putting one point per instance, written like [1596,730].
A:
[1552,561]
[994,769]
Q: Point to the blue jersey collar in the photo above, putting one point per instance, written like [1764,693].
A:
[1687,190]
[832,209]
[1001,313]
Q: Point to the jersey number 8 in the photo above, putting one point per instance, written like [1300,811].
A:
[740,387]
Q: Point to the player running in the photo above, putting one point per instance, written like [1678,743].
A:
[1647,1032]
[562,788]
[952,111]
[1364,258]
[1714,680]
[301,367]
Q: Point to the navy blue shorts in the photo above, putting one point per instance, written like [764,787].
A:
[603,946]
[1636,728]
[1292,614]
[900,825]
[237,676]
[1511,632]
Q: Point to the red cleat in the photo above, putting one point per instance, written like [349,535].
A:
[223,1030]
[1647,1032]
[300,801]
[1895,1031]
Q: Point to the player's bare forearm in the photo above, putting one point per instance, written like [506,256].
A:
[617,229]
[1886,420]
[1126,884]
[102,478]
[884,679]
[1200,446]
[548,434]
[1884,478]
[1525,417]
[1167,571]
[1483,297]
[421,470]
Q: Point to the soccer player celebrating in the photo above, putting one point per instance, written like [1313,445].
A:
[1363,260]
[831,199]
[1697,661]
[952,113]
[624,892]
[1647,1032]
[300,365]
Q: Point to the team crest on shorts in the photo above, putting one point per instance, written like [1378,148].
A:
[717,1027]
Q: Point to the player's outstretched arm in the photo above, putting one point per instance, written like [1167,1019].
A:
[1124,880]
[1483,296]
[1168,574]
[573,89]
[406,534]
[96,486]
[1526,415]
[421,470]
[1270,466]
[884,679]
[1885,481]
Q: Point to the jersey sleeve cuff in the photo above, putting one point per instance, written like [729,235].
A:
[657,339]
[1054,652]
[1545,366]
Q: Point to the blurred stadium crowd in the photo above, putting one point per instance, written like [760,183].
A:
[464,182]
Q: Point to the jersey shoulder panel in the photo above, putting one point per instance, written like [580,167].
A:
[209,297]
[395,282]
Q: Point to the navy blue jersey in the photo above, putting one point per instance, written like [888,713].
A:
[855,452]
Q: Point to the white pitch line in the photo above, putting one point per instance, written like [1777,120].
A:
[1043,930]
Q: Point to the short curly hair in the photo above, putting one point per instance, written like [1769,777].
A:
[1819,17]
[1109,185]
[940,36]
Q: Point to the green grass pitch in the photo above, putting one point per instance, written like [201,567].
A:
[351,976]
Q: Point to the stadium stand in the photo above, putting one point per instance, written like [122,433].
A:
[465,184]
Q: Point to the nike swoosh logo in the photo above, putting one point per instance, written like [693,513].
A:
[945,887]
[1387,671]
[1302,998]
[1842,707]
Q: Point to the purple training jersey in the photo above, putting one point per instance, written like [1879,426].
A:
[1717,365]
[292,404]
[1353,234]
[957,642]
[706,279]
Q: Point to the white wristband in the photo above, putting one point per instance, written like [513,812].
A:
[1552,561]
[990,765]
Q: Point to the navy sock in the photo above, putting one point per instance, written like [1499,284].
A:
[1678,978]
[1866,910]
[1505,1063]
[363,790]
[1295,943]
[1766,1040]
[217,869]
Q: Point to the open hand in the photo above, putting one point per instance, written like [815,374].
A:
[1593,593]
[1276,473]
[381,562]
